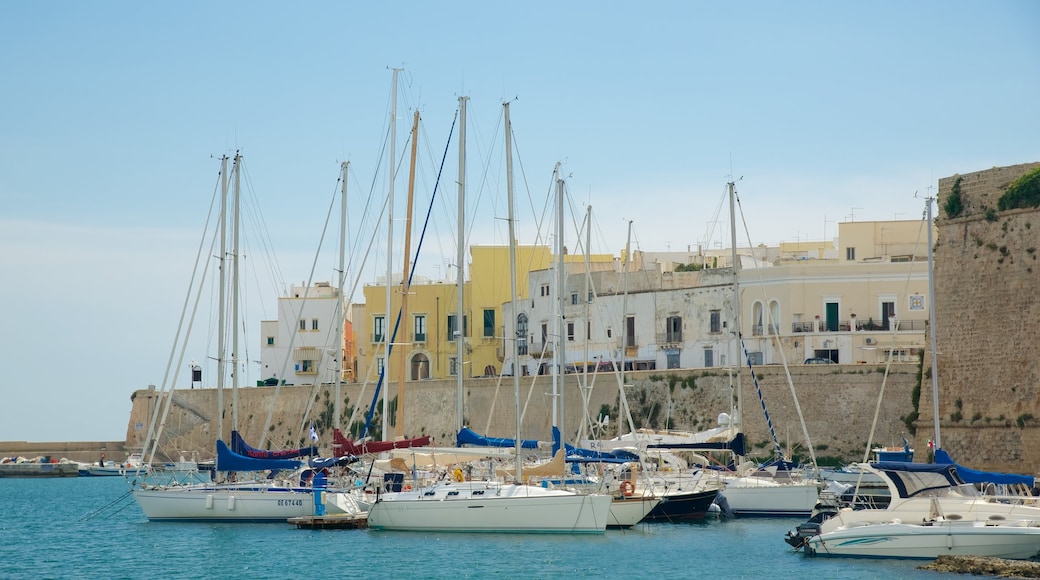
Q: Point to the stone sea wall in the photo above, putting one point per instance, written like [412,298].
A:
[838,403]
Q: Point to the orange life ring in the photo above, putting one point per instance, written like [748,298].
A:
[627,488]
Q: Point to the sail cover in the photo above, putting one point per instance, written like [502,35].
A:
[239,446]
[975,476]
[228,460]
[467,436]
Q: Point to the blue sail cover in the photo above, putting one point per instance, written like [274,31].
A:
[228,460]
[975,476]
[467,436]
[239,446]
[581,455]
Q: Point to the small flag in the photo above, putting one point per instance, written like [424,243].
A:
[314,434]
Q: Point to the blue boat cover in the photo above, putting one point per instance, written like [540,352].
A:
[467,436]
[975,476]
[239,446]
[228,460]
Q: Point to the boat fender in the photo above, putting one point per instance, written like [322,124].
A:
[627,488]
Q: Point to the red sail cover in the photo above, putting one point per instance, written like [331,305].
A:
[239,446]
[343,446]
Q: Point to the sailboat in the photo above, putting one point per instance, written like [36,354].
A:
[238,494]
[491,506]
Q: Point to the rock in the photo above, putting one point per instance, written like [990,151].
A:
[981,566]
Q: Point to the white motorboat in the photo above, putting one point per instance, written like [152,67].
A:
[931,539]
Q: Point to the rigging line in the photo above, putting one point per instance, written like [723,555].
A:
[303,305]
[761,398]
[776,337]
[397,324]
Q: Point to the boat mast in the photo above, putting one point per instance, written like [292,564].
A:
[344,167]
[460,263]
[931,327]
[389,245]
[234,293]
[736,303]
[559,356]
[512,283]
[622,399]
[223,297]
[405,281]
[588,323]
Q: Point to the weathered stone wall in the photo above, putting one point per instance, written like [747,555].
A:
[987,314]
[837,402]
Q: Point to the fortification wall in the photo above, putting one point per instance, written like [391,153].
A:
[837,401]
[987,312]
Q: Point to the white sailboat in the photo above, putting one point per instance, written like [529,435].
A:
[490,506]
[236,496]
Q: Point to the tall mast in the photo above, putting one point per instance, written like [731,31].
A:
[558,349]
[405,281]
[389,246]
[223,297]
[460,263]
[622,399]
[931,328]
[344,168]
[736,301]
[588,323]
[512,282]
[234,294]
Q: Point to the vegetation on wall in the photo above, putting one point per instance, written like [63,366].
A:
[1023,192]
[954,205]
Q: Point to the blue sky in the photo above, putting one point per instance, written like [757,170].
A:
[114,115]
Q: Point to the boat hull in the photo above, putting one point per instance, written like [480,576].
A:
[489,507]
[757,497]
[626,512]
[683,506]
[243,504]
[913,541]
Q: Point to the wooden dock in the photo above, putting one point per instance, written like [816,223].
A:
[331,522]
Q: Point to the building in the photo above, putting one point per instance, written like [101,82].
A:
[864,299]
[301,346]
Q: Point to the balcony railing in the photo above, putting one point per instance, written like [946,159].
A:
[861,325]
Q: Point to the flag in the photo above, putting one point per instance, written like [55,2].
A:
[314,434]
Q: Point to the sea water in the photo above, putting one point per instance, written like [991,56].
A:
[90,527]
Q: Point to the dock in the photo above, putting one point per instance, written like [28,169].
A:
[331,522]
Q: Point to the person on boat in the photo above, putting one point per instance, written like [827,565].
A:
[101,462]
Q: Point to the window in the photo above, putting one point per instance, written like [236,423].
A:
[545,333]
[303,324]
[570,332]
[673,330]
[630,331]
[588,330]
[314,324]
[574,298]
[709,357]
[521,333]
[850,254]
[378,328]
[305,367]
[545,289]
[610,332]
[453,366]
[380,367]
[716,323]
[489,323]
[590,295]
[270,341]
[672,357]
[420,328]
[453,326]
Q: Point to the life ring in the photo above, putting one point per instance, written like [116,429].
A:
[627,488]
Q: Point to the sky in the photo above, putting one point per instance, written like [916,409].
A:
[114,117]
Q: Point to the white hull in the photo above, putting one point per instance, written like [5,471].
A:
[246,504]
[490,507]
[930,541]
[755,496]
[629,511]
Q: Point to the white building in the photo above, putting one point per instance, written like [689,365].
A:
[301,346]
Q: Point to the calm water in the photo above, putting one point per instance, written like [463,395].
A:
[88,528]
